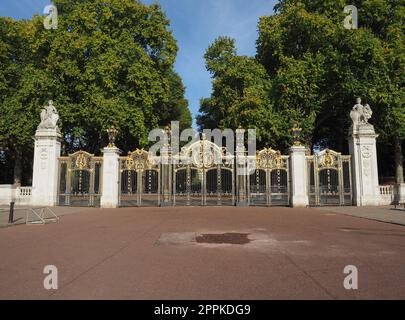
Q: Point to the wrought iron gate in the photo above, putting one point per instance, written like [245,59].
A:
[139,180]
[79,180]
[203,174]
[269,184]
[330,180]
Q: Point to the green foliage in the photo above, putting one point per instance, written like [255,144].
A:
[240,94]
[219,54]
[108,62]
[322,67]
[315,69]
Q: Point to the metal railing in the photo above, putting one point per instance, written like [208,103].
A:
[28,215]
[42,215]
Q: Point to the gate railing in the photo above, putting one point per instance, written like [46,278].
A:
[80,180]
[203,174]
[269,185]
[140,179]
[329,179]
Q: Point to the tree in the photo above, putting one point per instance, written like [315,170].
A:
[339,64]
[109,62]
[315,68]
[22,86]
[240,94]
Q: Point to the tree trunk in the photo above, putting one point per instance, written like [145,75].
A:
[341,140]
[309,142]
[399,161]
[17,167]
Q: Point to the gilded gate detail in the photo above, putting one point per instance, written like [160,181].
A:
[139,179]
[80,179]
[203,174]
[330,180]
[269,184]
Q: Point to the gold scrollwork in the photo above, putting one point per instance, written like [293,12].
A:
[278,160]
[265,158]
[129,162]
[270,159]
[137,160]
[327,160]
[81,161]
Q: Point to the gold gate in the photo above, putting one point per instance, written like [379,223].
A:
[80,180]
[329,179]
[269,185]
[203,175]
[139,180]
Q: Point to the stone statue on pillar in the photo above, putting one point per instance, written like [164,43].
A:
[361,114]
[362,146]
[46,154]
[49,117]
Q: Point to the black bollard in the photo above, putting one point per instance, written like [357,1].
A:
[11,215]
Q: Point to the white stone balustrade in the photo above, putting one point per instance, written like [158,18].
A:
[24,191]
[386,195]
[386,190]
[18,195]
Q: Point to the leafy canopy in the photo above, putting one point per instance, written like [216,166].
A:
[308,70]
[109,62]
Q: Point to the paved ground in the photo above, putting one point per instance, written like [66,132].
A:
[20,214]
[152,254]
[384,214]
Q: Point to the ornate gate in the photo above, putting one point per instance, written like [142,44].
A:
[139,180]
[79,180]
[329,179]
[269,184]
[203,174]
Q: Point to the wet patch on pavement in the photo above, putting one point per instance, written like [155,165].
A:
[250,239]
[224,238]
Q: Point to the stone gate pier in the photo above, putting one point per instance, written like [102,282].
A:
[362,146]
[46,154]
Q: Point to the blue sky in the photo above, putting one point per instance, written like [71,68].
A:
[195,24]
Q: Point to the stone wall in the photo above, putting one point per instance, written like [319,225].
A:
[10,193]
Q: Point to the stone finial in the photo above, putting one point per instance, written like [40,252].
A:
[296,131]
[112,136]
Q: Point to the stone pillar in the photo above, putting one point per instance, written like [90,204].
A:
[242,175]
[166,181]
[110,182]
[299,177]
[45,169]
[241,169]
[362,147]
